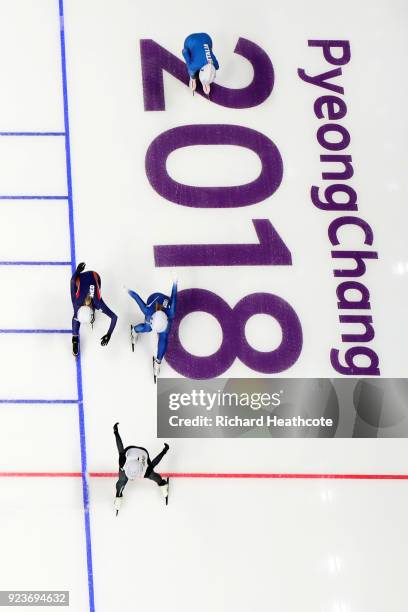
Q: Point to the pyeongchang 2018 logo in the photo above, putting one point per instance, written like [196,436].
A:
[356,358]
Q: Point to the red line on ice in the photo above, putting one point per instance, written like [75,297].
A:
[267,475]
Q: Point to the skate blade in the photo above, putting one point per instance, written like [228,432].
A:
[154,373]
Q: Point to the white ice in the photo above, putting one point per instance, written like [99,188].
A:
[221,544]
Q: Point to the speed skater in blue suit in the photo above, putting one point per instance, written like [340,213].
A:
[159,312]
[200,60]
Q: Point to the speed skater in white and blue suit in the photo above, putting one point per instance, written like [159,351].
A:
[159,312]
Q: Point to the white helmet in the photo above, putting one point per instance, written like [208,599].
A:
[134,469]
[84,314]
[136,463]
[207,74]
[159,321]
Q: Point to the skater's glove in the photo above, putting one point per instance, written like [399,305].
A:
[117,504]
[115,428]
[105,339]
[80,268]
[166,446]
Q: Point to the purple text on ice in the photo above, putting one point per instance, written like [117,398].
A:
[270,249]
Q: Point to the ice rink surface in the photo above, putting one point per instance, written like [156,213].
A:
[73,187]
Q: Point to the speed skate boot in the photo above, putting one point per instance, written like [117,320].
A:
[165,491]
[75,346]
[156,368]
[134,336]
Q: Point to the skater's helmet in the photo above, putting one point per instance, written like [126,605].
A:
[207,74]
[134,469]
[159,321]
[136,463]
[84,314]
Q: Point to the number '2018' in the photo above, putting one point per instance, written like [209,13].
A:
[269,249]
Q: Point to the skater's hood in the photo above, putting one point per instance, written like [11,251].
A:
[136,463]
[207,74]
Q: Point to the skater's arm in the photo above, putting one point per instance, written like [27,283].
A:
[104,308]
[160,456]
[75,277]
[73,287]
[215,62]
[118,439]
[191,66]
[138,301]
[173,301]
[187,58]
[186,55]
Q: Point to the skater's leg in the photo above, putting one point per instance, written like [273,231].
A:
[121,483]
[155,476]
[162,345]
[75,336]
[161,482]
[142,328]
[75,326]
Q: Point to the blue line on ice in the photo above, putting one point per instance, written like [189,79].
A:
[32,133]
[35,263]
[35,331]
[81,420]
[33,197]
